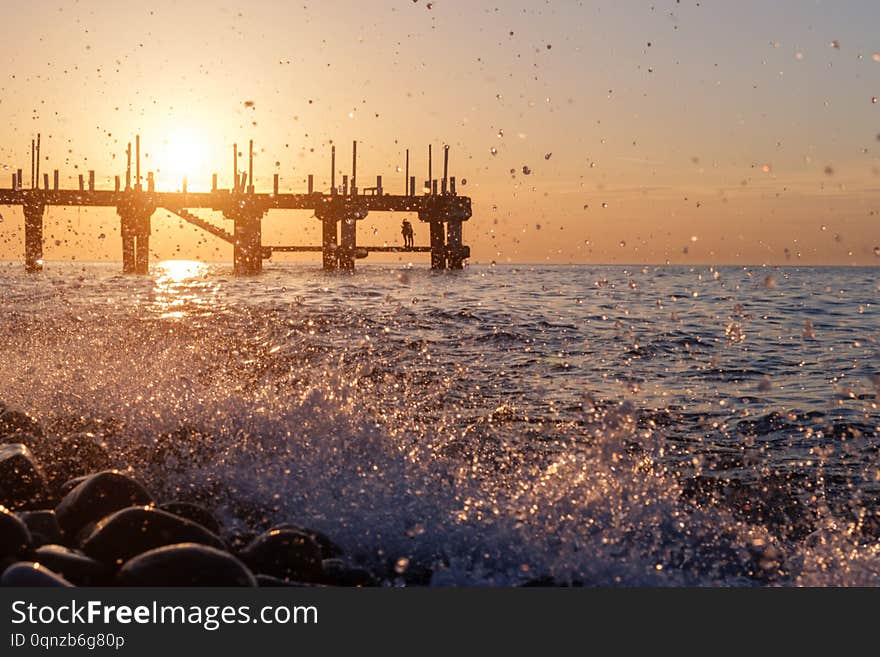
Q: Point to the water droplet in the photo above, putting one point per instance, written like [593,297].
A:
[526,170]
[604,205]
[493,150]
[547,156]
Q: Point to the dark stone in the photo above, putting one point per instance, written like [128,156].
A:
[135,530]
[32,574]
[287,554]
[329,549]
[337,573]
[70,484]
[75,567]
[21,480]
[195,513]
[15,422]
[97,497]
[43,526]
[15,538]
[186,564]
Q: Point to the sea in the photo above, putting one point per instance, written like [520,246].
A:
[498,426]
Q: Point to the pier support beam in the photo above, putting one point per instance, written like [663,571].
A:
[247,250]
[438,245]
[329,242]
[454,250]
[134,223]
[347,241]
[33,236]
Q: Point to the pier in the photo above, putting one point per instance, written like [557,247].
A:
[339,210]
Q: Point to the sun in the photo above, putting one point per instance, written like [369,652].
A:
[183,154]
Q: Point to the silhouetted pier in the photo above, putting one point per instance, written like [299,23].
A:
[338,210]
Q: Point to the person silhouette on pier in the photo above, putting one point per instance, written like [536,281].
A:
[406,230]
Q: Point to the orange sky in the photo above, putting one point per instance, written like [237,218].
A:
[687,132]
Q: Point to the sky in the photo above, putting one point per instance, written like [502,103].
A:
[707,132]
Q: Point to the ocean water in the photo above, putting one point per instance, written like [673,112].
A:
[504,425]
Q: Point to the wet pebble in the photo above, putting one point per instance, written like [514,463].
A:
[74,566]
[96,497]
[187,564]
[15,537]
[288,554]
[31,574]
[22,482]
[135,530]
[43,526]
[194,512]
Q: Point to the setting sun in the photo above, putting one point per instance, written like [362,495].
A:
[183,153]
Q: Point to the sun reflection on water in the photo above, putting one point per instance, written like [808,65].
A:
[181,288]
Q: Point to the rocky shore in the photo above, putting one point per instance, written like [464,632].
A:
[67,519]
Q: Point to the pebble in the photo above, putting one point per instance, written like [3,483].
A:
[186,564]
[22,482]
[32,574]
[287,554]
[135,530]
[97,497]
[15,537]
[74,566]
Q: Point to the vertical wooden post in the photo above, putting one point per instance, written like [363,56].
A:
[344,185]
[128,167]
[46,181]
[213,182]
[55,180]
[452,185]
[137,162]
[33,148]
[453,244]
[311,184]
[275,184]
[82,184]
[347,241]
[412,186]
[250,189]
[438,245]
[354,160]
[329,237]
[445,167]
[430,178]
[333,170]
[38,160]
[406,176]
[142,253]
[151,183]
[33,236]
[379,185]
[235,167]
[183,188]
[247,251]
[91,180]
[116,183]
